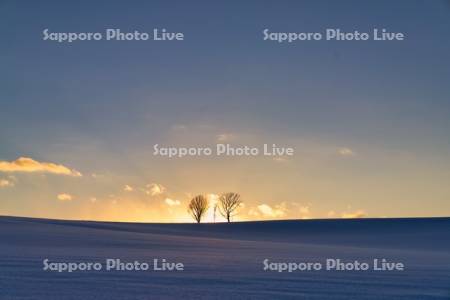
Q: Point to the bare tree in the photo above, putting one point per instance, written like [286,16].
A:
[198,207]
[215,209]
[228,203]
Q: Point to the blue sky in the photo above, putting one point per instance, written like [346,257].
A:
[98,107]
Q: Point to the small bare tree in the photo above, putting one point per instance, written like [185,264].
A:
[228,203]
[198,207]
[215,209]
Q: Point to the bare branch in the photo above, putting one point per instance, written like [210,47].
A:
[198,207]
[228,203]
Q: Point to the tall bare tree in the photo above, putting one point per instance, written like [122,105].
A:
[198,207]
[228,203]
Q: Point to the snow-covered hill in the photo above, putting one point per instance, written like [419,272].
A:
[225,261]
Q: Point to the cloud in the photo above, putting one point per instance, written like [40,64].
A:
[356,214]
[253,212]
[267,211]
[128,188]
[179,127]
[64,197]
[4,183]
[213,199]
[346,152]
[155,189]
[304,210]
[172,202]
[97,176]
[26,164]
[225,137]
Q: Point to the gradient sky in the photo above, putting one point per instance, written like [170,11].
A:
[369,121]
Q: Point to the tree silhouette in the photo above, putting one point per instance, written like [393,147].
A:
[198,207]
[228,203]
[215,209]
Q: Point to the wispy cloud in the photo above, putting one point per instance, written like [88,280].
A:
[225,137]
[172,202]
[26,164]
[272,212]
[154,189]
[304,210]
[213,199]
[128,188]
[97,176]
[179,127]
[4,183]
[356,214]
[344,151]
[64,197]
[347,214]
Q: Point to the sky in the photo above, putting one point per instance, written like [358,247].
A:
[369,120]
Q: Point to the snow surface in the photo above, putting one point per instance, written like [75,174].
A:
[224,261]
